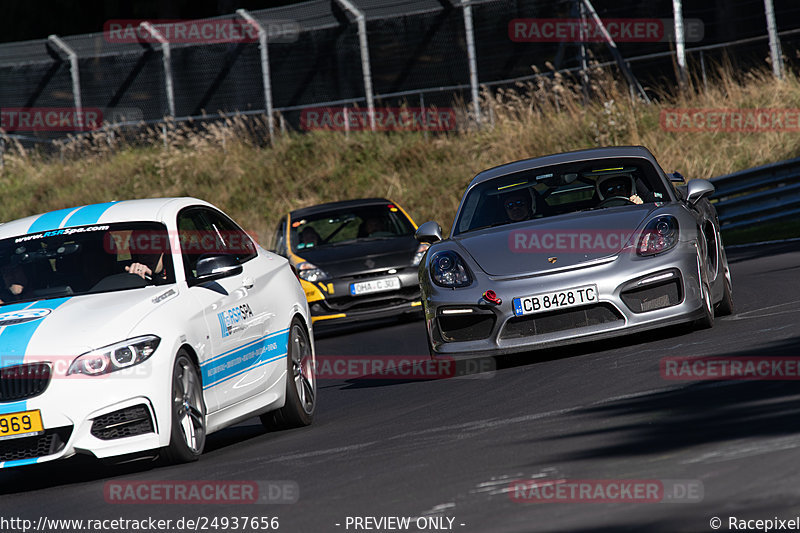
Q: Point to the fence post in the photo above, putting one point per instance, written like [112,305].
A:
[265,72]
[166,57]
[365,64]
[774,43]
[76,77]
[612,46]
[680,48]
[473,63]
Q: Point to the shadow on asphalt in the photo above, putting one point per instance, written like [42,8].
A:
[695,414]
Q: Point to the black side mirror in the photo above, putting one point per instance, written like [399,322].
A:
[213,267]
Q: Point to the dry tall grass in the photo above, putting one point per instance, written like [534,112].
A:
[427,174]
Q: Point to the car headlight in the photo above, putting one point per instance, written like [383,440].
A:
[115,356]
[420,253]
[311,272]
[449,270]
[658,236]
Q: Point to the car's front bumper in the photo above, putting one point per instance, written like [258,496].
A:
[502,332]
[126,412]
[331,302]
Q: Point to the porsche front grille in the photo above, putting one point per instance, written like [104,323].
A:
[553,322]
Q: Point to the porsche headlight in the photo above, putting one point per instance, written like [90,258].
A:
[420,253]
[658,236]
[448,270]
[115,357]
[311,272]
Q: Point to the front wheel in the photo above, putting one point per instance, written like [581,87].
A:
[188,427]
[301,384]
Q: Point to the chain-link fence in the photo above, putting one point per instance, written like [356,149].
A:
[388,53]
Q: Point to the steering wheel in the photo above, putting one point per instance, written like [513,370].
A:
[615,201]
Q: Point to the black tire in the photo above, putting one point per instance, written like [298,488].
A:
[725,307]
[707,321]
[188,424]
[301,384]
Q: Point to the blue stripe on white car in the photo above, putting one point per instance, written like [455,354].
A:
[73,216]
[239,360]
[14,341]
[88,214]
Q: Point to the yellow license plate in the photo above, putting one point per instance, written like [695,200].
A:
[20,424]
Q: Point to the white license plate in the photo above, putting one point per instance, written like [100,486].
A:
[555,300]
[375,285]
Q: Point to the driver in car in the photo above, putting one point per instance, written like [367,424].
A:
[618,186]
[518,206]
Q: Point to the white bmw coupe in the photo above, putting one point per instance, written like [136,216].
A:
[139,327]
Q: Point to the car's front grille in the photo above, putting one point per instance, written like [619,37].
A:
[563,320]
[381,300]
[52,441]
[23,381]
[653,297]
[377,274]
[126,422]
[466,327]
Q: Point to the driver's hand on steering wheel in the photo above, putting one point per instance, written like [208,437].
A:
[635,198]
[140,270]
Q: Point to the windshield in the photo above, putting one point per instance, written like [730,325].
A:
[349,225]
[557,190]
[83,260]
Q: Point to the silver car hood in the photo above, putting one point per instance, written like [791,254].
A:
[555,243]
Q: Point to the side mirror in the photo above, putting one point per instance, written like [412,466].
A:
[213,267]
[429,232]
[698,189]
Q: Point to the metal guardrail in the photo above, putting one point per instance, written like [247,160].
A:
[758,194]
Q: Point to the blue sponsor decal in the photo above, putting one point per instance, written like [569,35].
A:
[517,306]
[239,360]
[230,319]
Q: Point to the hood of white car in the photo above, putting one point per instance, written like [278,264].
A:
[73,325]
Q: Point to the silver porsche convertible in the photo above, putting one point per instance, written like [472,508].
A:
[572,247]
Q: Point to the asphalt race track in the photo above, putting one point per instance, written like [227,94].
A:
[453,448]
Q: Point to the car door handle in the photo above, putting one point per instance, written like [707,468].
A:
[248,283]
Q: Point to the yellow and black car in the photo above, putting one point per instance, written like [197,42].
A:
[356,259]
